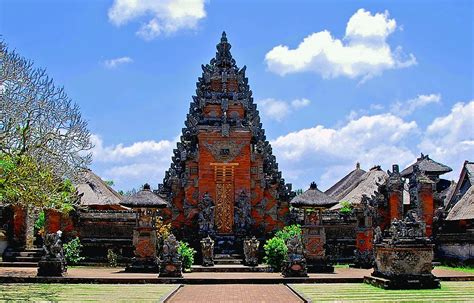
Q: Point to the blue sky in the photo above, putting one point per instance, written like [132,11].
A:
[336,82]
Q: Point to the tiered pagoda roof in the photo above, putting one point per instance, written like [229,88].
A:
[428,166]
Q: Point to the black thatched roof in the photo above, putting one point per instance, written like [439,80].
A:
[313,197]
[346,184]
[144,198]
[428,166]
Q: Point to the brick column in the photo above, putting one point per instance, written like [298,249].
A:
[395,194]
[19,226]
[425,196]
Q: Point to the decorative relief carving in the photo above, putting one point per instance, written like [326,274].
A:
[232,150]
[224,207]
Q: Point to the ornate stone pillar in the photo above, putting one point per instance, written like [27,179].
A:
[30,228]
[395,193]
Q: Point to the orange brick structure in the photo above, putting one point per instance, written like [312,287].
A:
[224,180]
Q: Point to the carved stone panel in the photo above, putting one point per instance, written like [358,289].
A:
[224,212]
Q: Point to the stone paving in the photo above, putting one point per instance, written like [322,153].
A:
[234,293]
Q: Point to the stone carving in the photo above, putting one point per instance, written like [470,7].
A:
[224,207]
[251,251]
[53,262]
[407,230]
[242,216]
[170,263]
[224,151]
[207,249]
[295,265]
[206,215]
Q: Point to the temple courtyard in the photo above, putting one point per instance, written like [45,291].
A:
[114,284]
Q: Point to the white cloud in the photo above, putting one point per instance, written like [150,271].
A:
[408,107]
[450,139]
[132,165]
[300,103]
[279,109]
[167,16]
[113,63]
[363,53]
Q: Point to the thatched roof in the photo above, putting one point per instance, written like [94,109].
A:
[313,197]
[466,180]
[95,193]
[367,185]
[428,166]
[346,184]
[144,198]
[464,208]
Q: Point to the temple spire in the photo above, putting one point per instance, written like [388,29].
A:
[223,55]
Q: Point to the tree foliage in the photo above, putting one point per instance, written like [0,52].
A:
[38,119]
[187,254]
[24,182]
[275,248]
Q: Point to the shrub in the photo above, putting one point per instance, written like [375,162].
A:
[112,258]
[346,208]
[187,254]
[275,252]
[275,248]
[72,251]
[288,232]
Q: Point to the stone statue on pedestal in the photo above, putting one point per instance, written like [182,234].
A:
[251,251]
[170,261]
[207,249]
[295,265]
[53,262]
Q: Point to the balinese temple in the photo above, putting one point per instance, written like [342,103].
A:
[224,179]
[428,166]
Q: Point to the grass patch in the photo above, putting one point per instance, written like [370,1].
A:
[340,265]
[84,292]
[338,292]
[458,268]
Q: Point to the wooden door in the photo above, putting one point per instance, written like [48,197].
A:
[224,208]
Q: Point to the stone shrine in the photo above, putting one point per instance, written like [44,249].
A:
[224,180]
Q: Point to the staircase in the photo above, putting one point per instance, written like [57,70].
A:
[224,259]
[21,257]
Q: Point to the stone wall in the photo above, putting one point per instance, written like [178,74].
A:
[455,248]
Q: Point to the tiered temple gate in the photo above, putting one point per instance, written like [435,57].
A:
[224,180]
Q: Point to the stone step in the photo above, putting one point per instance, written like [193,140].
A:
[25,259]
[230,268]
[27,254]
[228,256]
[18,264]
[228,261]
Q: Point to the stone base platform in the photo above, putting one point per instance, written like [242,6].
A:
[404,283]
[230,268]
[107,275]
[320,268]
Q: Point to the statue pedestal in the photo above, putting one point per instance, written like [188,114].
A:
[145,260]
[403,266]
[295,268]
[171,269]
[314,239]
[51,268]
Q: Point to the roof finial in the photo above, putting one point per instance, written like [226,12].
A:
[313,185]
[357,165]
[224,37]
[146,186]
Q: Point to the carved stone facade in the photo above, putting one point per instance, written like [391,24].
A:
[223,156]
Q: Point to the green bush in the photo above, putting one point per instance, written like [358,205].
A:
[275,252]
[288,232]
[40,221]
[187,254]
[346,208]
[72,251]
[275,248]
[112,258]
